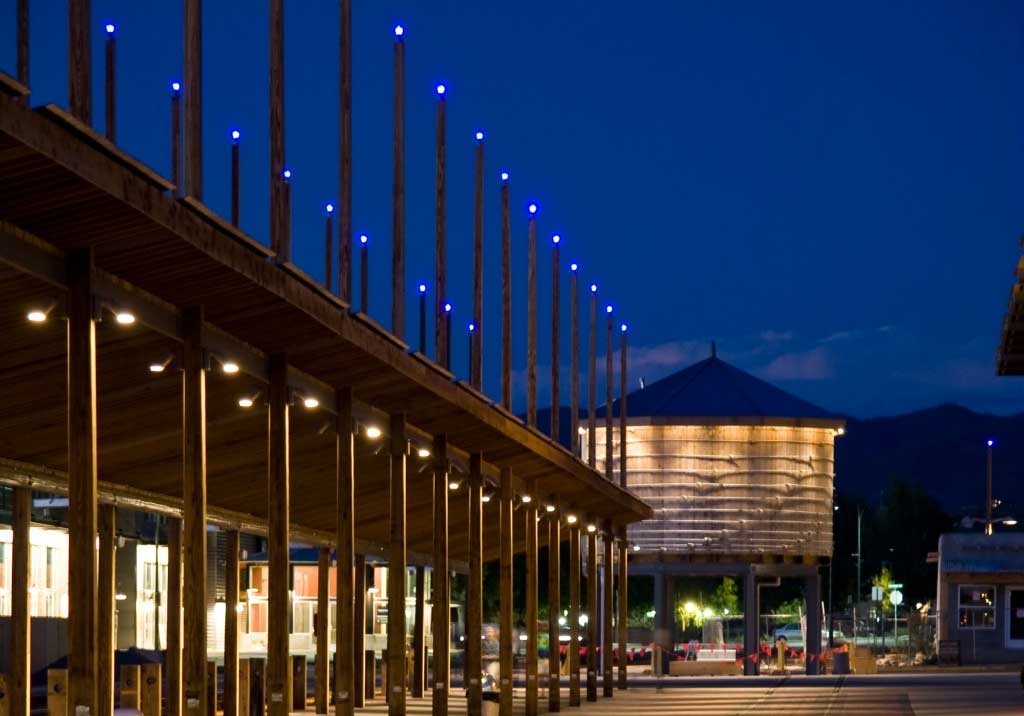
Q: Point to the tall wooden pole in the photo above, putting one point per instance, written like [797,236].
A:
[398,195]
[82,488]
[506,295]
[359,680]
[440,618]
[348,656]
[20,682]
[194,100]
[556,403]
[322,679]
[623,615]
[554,610]
[574,400]
[80,60]
[476,368]
[278,221]
[475,592]
[328,248]
[236,161]
[592,382]
[608,610]
[23,48]
[531,321]
[173,595]
[231,605]
[109,87]
[609,384]
[423,319]
[532,642]
[278,478]
[345,155]
[622,409]
[505,542]
[440,328]
[364,274]
[419,633]
[593,611]
[105,598]
[399,446]
[574,611]
[176,138]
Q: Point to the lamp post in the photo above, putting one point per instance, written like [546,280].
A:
[988,488]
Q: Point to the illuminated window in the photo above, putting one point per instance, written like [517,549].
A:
[977,607]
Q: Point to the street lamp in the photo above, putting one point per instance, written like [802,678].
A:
[988,488]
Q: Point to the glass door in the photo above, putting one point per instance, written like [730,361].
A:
[1015,617]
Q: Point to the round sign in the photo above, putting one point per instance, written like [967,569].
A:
[896,597]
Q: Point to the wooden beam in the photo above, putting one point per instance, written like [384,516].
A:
[531,322]
[359,676]
[609,383]
[278,217]
[506,296]
[194,519]
[505,538]
[231,681]
[398,196]
[592,383]
[607,610]
[475,591]
[278,477]
[322,676]
[82,488]
[398,448]
[574,612]
[476,366]
[194,99]
[556,402]
[348,657]
[623,383]
[623,625]
[110,88]
[23,47]
[419,650]
[574,398]
[173,595]
[20,682]
[554,610]
[592,611]
[440,288]
[80,64]
[532,643]
[345,158]
[440,619]
[105,643]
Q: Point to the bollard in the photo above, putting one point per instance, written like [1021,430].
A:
[57,692]
[130,686]
[150,690]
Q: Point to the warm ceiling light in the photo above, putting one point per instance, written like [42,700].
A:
[526,499]
[245,402]
[423,452]
[120,597]
[840,431]
[549,508]
[453,486]
[571,519]
[581,430]
[373,432]
[229,367]
[310,402]
[485,498]
[125,318]
[591,528]
[39,315]
[159,367]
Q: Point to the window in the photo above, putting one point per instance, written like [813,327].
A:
[977,607]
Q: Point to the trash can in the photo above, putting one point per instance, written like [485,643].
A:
[841,662]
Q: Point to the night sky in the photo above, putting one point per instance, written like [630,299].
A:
[830,192]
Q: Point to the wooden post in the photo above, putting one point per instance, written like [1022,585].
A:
[278,219]
[83,660]
[105,609]
[244,687]
[278,477]
[236,161]
[592,382]
[173,595]
[345,158]
[359,673]
[79,84]
[257,687]
[812,605]
[232,689]
[608,610]
[193,99]
[150,690]
[299,680]
[110,109]
[609,383]
[398,196]
[323,617]
[506,296]
[194,513]
[441,291]
[554,611]
[399,446]
[531,320]
[622,410]
[574,399]
[476,368]
[556,403]
[419,650]
[505,542]
[592,611]
[369,669]
[131,694]
[623,615]
[23,45]
[20,682]
[176,138]
[211,688]
[349,599]
[440,619]
[328,248]
[475,590]
[574,611]
[532,643]
[364,274]
[751,621]
[57,692]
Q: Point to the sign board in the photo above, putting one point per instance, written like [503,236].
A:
[896,597]
[876,594]
[895,585]
[382,615]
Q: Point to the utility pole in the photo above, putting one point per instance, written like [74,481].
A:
[857,554]
[988,488]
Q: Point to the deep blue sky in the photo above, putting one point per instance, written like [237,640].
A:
[832,192]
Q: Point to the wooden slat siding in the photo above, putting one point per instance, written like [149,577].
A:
[476,366]
[80,63]
[345,152]
[231,680]
[20,660]
[278,219]
[82,488]
[440,287]
[554,610]
[592,385]
[531,323]
[193,80]
[350,602]
[592,610]
[574,614]
[506,298]
[23,44]
[623,618]
[398,196]
[556,402]
[440,619]
[474,591]
[110,110]
[532,642]
[505,646]
[322,685]
[105,643]
[574,358]
[607,611]
[172,594]
[397,449]
[360,678]
[419,651]
[194,503]
[278,664]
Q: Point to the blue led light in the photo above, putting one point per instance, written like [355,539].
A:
[287,174]
[363,238]
[624,327]
[175,86]
[608,308]
[110,28]
[399,30]
[423,288]
[532,209]
[441,90]
[593,288]
[504,176]
[447,308]
[573,267]
[235,135]
[329,207]
[991,442]
[472,327]
[556,239]
[479,136]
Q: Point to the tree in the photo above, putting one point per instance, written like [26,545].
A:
[726,597]
[884,580]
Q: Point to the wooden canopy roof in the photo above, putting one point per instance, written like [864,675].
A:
[62,187]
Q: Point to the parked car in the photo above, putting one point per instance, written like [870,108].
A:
[794,638]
